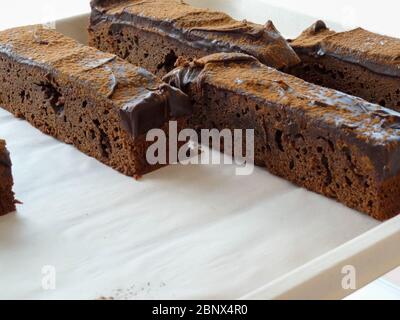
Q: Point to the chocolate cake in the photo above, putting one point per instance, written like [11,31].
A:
[153,33]
[7,201]
[96,101]
[358,62]
[324,140]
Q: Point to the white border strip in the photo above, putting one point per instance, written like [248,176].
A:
[373,254]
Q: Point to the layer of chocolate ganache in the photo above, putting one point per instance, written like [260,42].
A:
[153,109]
[143,101]
[199,28]
[377,53]
[375,130]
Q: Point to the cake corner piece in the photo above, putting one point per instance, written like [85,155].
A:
[7,200]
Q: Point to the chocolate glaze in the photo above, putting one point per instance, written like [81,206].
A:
[143,101]
[199,28]
[377,53]
[153,109]
[375,130]
[317,27]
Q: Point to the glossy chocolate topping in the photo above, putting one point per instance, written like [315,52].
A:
[199,28]
[4,155]
[143,101]
[154,108]
[377,53]
[375,130]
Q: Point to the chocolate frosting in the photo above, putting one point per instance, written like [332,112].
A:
[375,130]
[199,28]
[142,101]
[377,53]
[153,109]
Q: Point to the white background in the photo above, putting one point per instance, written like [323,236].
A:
[379,16]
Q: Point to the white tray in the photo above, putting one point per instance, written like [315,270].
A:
[181,232]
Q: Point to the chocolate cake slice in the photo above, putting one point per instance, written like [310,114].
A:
[96,101]
[358,62]
[7,201]
[153,33]
[321,139]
